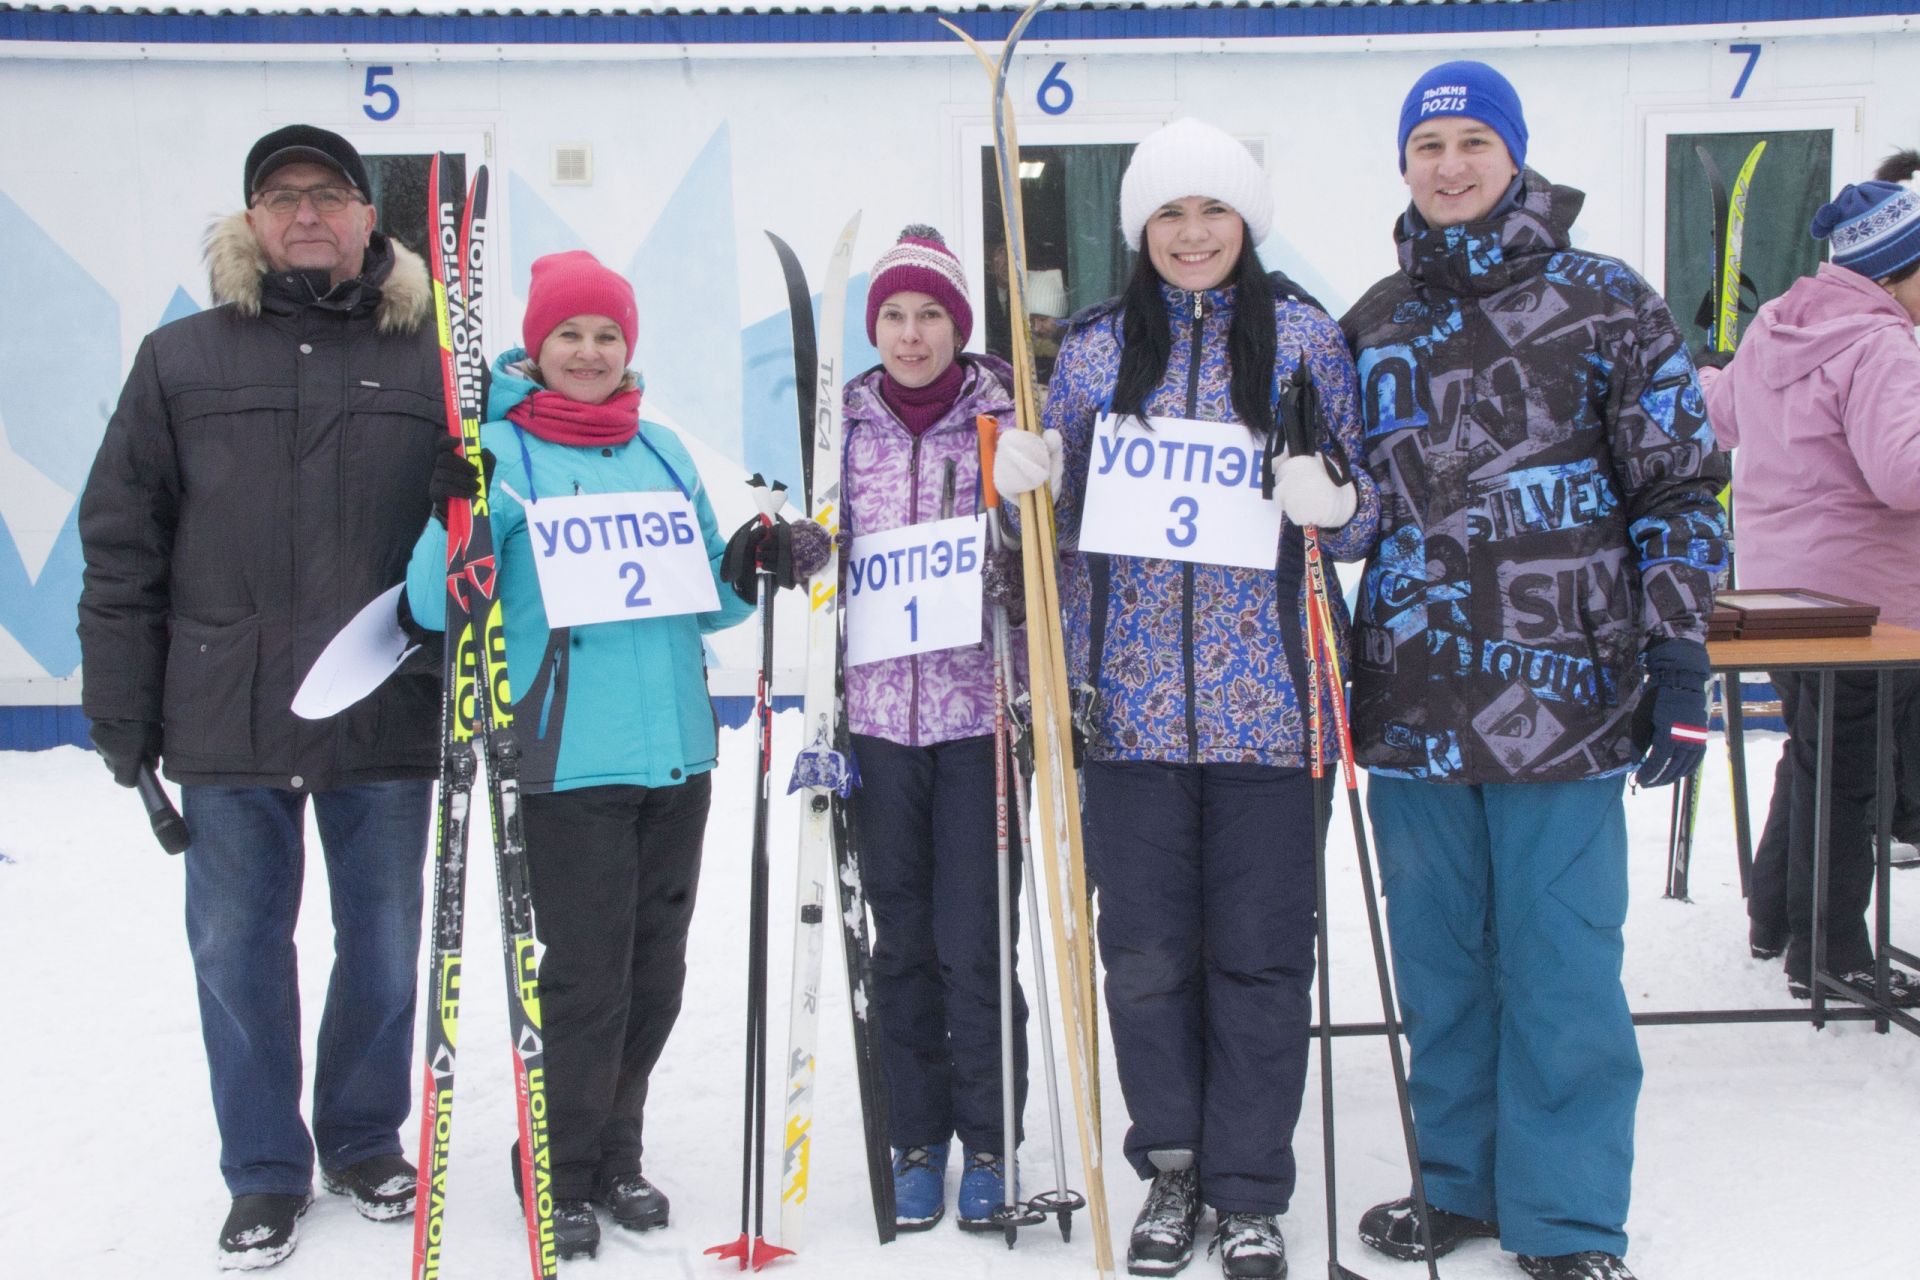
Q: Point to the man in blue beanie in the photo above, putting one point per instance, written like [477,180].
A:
[1529,632]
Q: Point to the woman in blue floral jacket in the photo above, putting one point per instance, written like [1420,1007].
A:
[1198,798]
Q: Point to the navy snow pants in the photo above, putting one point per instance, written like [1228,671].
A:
[1205,881]
[924,818]
[1505,904]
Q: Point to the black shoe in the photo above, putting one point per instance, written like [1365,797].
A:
[1162,1239]
[1393,1228]
[1764,943]
[632,1201]
[381,1187]
[576,1232]
[260,1230]
[1903,992]
[1590,1264]
[1250,1246]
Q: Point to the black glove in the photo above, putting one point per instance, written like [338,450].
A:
[126,745]
[792,553]
[452,476]
[1003,582]
[1710,358]
[1672,719]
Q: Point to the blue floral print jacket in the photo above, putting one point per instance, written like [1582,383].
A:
[1198,663]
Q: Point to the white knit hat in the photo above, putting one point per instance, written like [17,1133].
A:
[1192,158]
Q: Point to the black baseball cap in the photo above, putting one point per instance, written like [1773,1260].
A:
[298,142]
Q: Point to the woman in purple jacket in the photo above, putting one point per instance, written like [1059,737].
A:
[922,726]
[1823,402]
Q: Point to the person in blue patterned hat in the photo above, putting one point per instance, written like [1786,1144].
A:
[1530,631]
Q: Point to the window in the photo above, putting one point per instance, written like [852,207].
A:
[1075,257]
[399,185]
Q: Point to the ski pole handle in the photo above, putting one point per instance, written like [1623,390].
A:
[169,828]
[989,429]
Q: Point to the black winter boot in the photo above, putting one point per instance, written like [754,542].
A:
[1250,1246]
[576,1232]
[1589,1264]
[261,1229]
[1162,1239]
[1393,1228]
[634,1203]
[381,1187]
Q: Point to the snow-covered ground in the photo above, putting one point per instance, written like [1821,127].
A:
[1767,1150]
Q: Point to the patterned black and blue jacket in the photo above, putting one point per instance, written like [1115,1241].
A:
[1547,480]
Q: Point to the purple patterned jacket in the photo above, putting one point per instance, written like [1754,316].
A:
[890,478]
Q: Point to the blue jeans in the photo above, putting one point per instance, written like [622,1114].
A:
[244,875]
[1505,904]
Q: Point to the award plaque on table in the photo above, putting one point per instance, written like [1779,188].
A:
[1788,613]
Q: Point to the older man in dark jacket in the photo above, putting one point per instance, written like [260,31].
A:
[264,476]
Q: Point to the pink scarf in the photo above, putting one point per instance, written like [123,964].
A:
[553,417]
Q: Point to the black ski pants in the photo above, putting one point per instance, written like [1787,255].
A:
[1780,901]
[613,872]
[925,820]
[1205,880]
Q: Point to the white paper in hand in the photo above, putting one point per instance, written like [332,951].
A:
[357,661]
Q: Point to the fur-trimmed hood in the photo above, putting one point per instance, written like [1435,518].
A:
[236,266]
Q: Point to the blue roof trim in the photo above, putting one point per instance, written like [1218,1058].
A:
[896,27]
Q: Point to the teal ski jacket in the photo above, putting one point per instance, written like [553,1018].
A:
[612,703]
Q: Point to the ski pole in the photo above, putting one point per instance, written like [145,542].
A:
[752,1250]
[1324,660]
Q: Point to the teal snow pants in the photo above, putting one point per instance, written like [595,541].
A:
[1505,904]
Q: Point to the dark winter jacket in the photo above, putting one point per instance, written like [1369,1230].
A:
[1547,480]
[891,478]
[264,476]
[1200,664]
[620,703]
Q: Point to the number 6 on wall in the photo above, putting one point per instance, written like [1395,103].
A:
[377,91]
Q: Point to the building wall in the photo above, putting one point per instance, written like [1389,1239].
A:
[110,171]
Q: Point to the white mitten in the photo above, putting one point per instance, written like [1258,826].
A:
[1308,495]
[1022,461]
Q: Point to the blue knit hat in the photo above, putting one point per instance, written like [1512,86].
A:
[1471,89]
[1872,227]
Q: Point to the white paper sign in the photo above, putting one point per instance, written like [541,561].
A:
[609,557]
[1180,491]
[357,661]
[915,589]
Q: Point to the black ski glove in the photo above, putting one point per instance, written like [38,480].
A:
[792,553]
[126,745]
[452,476]
[1709,358]
[1004,583]
[1672,719]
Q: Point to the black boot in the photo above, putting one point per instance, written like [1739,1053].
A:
[380,1187]
[1589,1264]
[260,1230]
[1162,1239]
[1250,1246]
[1394,1229]
[633,1202]
[576,1232]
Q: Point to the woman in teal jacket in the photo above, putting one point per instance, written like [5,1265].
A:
[615,728]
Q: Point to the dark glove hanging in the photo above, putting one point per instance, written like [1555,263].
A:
[792,553]
[452,476]
[1672,719]
[1708,358]
[1004,583]
[126,745]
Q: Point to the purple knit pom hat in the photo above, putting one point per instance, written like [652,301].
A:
[921,263]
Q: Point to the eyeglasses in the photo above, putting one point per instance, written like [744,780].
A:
[283,201]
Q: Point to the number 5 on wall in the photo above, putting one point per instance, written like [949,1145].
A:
[383,93]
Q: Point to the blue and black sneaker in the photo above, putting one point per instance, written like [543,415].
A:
[919,1186]
[983,1188]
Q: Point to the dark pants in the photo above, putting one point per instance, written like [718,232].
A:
[1906,774]
[925,817]
[613,872]
[244,874]
[1780,901]
[1205,876]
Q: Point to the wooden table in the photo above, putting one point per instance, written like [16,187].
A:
[1888,649]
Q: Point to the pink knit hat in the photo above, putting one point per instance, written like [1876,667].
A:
[575,284]
[921,263]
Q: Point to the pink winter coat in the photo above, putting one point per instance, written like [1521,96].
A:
[1823,402]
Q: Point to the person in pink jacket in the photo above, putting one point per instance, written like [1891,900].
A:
[1823,402]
